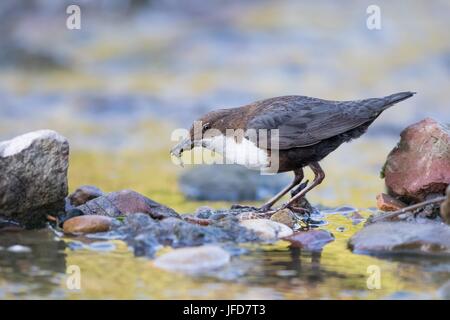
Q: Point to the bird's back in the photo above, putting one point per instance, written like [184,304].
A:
[303,121]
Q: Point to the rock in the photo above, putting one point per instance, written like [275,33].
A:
[284,216]
[231,183]
[193,260]
[204,212]
[33,177]
[267,229]
[87,224]
[420,164]
[312,240]
[126,202]
[387,203]
[445,208]
[401,238]
[145,235]
[84,194]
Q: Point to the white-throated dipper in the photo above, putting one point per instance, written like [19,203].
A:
[308,130]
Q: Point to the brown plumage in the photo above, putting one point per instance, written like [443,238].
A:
[309,129]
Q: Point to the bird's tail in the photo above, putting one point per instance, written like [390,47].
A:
[377,105]
[397,97]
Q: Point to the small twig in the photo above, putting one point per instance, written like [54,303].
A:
[409,208]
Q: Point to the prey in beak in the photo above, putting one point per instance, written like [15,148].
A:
[177,151]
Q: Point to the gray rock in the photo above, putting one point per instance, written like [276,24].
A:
[33,177]
[402,238]
[230,183]
[204,212]
[145,234]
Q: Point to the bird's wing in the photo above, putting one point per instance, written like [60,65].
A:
[304,121]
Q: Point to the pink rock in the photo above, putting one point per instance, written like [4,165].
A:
[126,202]
[420,164]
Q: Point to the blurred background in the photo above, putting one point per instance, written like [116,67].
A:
[138,69]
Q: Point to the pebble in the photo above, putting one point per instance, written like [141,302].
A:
[193,259]
[267,229]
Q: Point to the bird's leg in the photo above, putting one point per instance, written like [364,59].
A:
[297,179]
[319,175]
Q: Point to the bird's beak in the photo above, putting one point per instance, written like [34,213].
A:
[177,151]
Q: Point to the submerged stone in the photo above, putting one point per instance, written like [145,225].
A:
[312,240]
[193,260]
[231,183]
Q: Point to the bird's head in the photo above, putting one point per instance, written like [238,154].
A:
[211,124]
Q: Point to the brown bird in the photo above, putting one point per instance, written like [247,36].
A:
[308,129]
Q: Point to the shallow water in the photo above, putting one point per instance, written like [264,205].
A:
[117,97]
[274,271]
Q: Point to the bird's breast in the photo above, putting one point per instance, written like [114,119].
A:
[243,152]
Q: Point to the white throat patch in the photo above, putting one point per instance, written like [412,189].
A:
[245,153]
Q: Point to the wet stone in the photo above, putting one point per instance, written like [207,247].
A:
[267,229]
[84,194]
[193,260]
[126,202]
[402,238]
[146,235]
[312,240]
[87,224]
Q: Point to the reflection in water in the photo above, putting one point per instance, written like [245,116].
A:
[31,263]
[278,271]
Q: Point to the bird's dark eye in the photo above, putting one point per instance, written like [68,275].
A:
[206,127]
